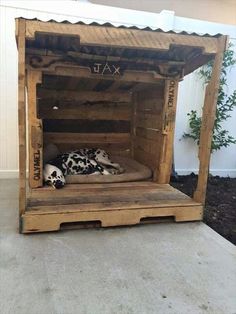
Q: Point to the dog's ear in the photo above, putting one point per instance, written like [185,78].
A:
[50,152]
[57,162]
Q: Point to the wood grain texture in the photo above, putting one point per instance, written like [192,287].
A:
[89,111]
[52,222]
[208,119]
[121,37]
[93,138]
[92,109]
[85,126]
[35,131]
[88,96]
[20,32]
[112,204]
[83,72]
[116,143]
[168,127]
[147,125]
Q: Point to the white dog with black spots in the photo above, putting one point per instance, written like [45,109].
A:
[82,161]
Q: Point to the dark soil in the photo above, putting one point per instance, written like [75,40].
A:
[220,209]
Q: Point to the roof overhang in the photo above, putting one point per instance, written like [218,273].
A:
[142,48]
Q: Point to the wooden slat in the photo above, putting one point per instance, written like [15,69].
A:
[145,158]
[142,198]
[75,138]
[92,207]
[168,125]
[150,105]
[154,94]
[147,145]
[208,119]
[148,121]
[49,63]
[149,194]
[150,134]
[35,132]
[115,143]
[21,114]
[87,111]
[120,149]
[83,72]
[102,57]
[82,96]
[86,126]
[96,187]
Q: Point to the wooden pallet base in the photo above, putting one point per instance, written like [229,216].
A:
[111,205]
[52,222]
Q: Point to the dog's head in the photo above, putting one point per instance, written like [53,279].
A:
[53,176]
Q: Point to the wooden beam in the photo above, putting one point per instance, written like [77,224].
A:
[161,68]
[35,132]
[76,55]
[21,115]
[84,96]
[168,125]
[196,62]
[107,111]
[85,138]
[131,76]
[65,69]
[208,119]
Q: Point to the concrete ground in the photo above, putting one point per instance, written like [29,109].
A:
[162,268]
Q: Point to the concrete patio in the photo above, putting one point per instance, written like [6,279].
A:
[162,268]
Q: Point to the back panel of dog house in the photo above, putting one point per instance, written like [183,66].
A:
[124,118]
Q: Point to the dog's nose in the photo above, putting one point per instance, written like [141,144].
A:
[58,184]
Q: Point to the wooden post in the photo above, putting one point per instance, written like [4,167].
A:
[208,119]
[168,128]
[21,115]
[35,132]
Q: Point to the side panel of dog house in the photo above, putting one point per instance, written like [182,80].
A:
[147,125]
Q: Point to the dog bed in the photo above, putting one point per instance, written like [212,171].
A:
[134,171]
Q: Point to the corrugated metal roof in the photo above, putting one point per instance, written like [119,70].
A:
[128,27]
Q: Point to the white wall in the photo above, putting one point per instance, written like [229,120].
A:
[191,91]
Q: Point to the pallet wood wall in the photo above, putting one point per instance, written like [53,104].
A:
[76,119]
[146,126]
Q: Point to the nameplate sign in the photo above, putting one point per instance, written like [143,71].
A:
[105,68]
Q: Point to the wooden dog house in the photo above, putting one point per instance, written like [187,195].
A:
[115,88]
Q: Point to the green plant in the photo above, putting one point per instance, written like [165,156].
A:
[225,105]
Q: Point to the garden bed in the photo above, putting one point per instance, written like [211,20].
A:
[220,210]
